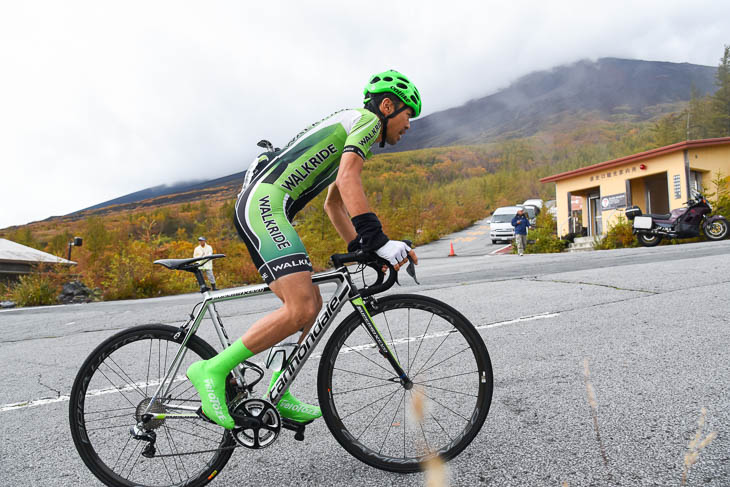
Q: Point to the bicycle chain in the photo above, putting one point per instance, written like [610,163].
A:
[197,452]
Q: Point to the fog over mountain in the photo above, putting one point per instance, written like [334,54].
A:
[607,87]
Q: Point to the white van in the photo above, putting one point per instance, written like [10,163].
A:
[533,202]
[501,227]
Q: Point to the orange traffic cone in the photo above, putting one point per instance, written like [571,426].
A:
[451,253]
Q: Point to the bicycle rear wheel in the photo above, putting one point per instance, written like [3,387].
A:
[112,390]
[370,413]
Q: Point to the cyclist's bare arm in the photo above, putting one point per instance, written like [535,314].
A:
[352,194]
[349,184]
[337,212]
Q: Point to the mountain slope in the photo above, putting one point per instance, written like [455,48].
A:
[556,99]
[608,87]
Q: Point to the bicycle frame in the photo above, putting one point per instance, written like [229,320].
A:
[345,291]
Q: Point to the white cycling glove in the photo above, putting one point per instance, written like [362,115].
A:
[394,251]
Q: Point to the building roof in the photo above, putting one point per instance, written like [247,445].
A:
[14,252]
[680,146]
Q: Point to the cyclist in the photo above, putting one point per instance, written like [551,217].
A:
[330,154]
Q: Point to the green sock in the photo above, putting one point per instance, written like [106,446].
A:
[209,379]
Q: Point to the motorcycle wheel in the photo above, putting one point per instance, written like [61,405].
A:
[649,240]
[716,230]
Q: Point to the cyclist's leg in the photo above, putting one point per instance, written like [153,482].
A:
[282,261]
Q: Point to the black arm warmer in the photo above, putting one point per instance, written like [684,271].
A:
[370,231]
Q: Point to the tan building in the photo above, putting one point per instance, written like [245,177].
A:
[657,181]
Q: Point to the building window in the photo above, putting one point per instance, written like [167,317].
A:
[695,181]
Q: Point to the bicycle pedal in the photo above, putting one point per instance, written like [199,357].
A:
[202,416]
[298,428]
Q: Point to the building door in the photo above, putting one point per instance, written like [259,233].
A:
[595,226]
[657,193]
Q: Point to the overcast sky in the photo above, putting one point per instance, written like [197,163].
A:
[100,99]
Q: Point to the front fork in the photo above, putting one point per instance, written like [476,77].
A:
[359,304]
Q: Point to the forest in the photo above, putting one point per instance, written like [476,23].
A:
[419,195]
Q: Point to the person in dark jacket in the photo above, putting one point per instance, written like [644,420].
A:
[521,224]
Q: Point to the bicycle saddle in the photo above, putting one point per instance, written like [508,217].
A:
[187,264]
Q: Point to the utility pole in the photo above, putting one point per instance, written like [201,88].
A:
[76,242]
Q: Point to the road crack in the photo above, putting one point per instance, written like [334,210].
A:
[58,393]
[537,279]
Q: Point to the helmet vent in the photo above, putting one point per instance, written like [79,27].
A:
[413,97]
[375,79]
[402,86]
[388,78]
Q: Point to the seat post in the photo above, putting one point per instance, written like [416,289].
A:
[201,281]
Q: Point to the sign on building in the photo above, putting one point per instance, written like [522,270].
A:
[613,201]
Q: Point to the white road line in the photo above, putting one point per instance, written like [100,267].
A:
[540,316]
[494,252]
[131,387]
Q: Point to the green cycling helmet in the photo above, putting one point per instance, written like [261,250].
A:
[394,82]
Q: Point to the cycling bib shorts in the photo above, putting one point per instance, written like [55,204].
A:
[288,180]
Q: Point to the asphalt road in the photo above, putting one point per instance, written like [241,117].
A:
[646,330]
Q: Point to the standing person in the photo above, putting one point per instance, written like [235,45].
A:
[203,250]
[329,154]
[521,224]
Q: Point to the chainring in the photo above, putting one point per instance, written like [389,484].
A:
[268,416]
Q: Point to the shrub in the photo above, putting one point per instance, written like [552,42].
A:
[35,290]
[545,236]
[619,236]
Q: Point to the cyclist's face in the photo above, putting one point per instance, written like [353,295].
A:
[398,125]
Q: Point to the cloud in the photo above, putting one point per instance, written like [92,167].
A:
[103,99]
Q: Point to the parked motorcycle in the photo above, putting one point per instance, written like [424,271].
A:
[680,223]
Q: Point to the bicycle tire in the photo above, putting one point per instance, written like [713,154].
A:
[332,378]
[158,473]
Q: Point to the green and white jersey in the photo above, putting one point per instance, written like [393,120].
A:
[292,177]
[309,163]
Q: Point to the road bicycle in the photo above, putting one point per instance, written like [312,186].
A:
[136,420]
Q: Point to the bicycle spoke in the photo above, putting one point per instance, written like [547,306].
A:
[365,388]
[408,344]
[136,446]
[359,373]
[387,325]
[439,363]
[369,404]
[432,353]
[111,427]
[425,333]
[447,377]
[110,417]
[372,361]
[440,426]
[378,414]
[420,424]
[201,425]
[449,390]
[173,447]
[445,407]
[122,452]
[129,379]
[108,410]
[117,388]
[390,426]
[149,362]
[192,434]
[181,394]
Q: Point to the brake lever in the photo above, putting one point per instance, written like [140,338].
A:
[411,269]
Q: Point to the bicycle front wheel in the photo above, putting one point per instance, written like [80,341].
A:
[368,410]
[111,392]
